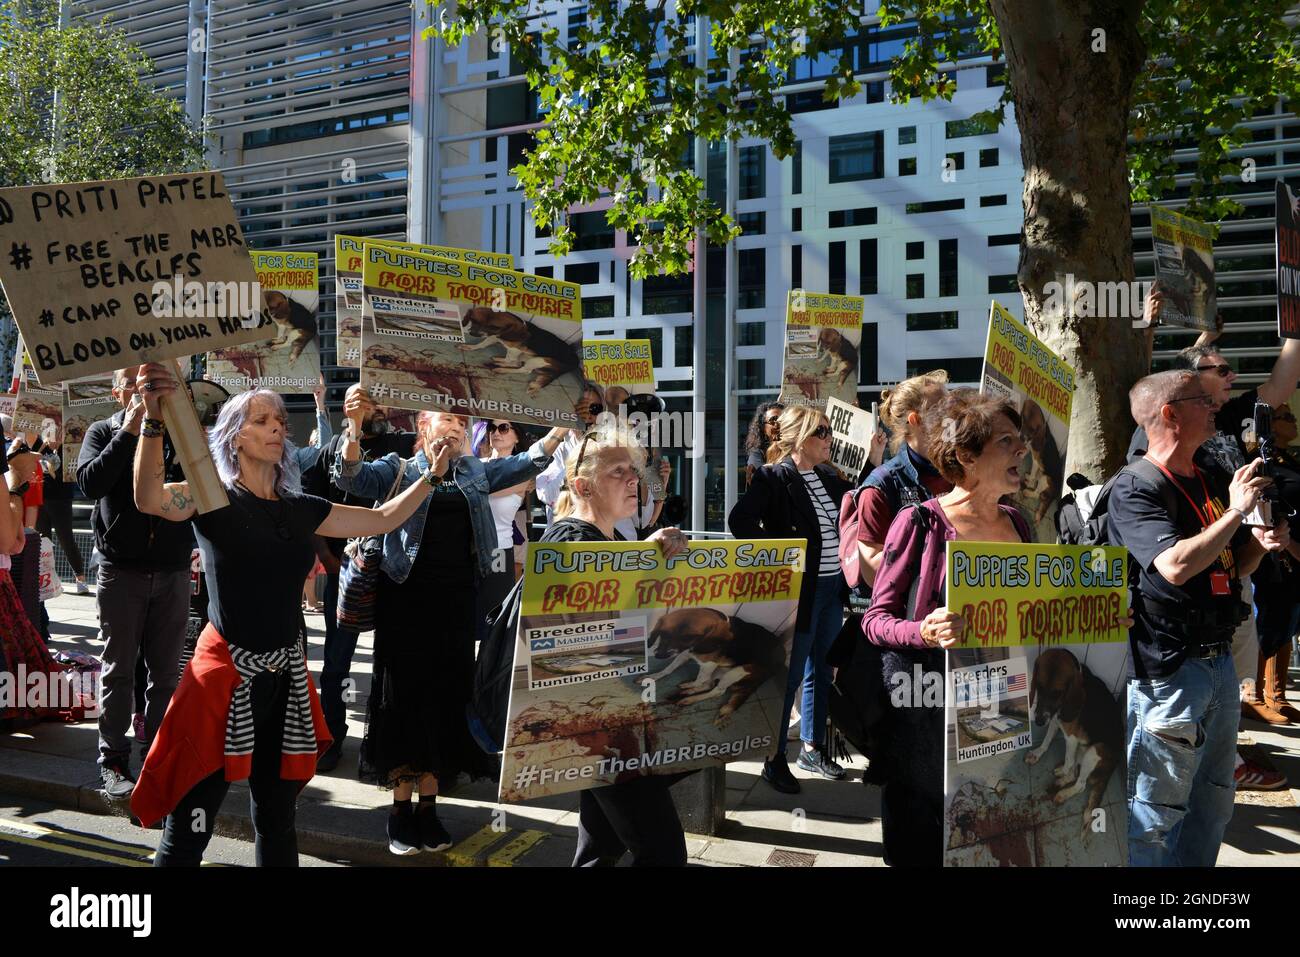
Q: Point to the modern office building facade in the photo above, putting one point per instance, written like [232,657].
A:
[338,116]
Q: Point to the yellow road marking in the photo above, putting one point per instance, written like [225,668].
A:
[507,855]
[142,853]
[465,853]
[74,851]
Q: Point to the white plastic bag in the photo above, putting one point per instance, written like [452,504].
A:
[50,585]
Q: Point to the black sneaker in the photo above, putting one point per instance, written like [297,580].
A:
[776,772]
[116,781]
[818,763]
[330,759]
[433,836]
[403,833]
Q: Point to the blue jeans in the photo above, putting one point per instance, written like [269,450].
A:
[1182,745]
[340,644]
[808,663]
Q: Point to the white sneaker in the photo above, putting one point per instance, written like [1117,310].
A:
[81,588]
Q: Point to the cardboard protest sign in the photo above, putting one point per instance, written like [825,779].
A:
[115,273]
[607,685]
[461,337]
[1288,261]
[621,367]
[85,402]
[290,362]
[1184,249]
[1034,743]
[852,430]
[823,333]
[348,292]
[38,410]
[1020,368]
[8,403]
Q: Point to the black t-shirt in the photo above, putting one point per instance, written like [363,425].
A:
[257,554]
[445,558]
[577,530]
[1138,518]
[1225,451]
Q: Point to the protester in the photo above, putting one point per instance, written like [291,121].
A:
[796,495]
[635,815]
[974,442]
[246,707]
[416,732]
[320,436]
[762,432]
[1277,583]
[142,588]
[56,512]
[1192,553]
[907,478]
[497,439]
[21,645]
[377,440]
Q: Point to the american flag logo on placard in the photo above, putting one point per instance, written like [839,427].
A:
[1016,683]
[632,631]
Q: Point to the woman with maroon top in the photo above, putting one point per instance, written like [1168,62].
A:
[974,442]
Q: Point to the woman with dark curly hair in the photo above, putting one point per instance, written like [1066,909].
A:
[762,432]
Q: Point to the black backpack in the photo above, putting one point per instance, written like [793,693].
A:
[489,700]
[1081,519]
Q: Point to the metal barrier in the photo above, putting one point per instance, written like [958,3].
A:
[85,542]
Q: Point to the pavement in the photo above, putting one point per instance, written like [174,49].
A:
[342,821]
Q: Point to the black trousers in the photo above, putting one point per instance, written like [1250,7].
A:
[56,516]
[271,798]
[637,816]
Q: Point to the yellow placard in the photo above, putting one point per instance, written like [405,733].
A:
[823,309]
[1016,595]
[625,362]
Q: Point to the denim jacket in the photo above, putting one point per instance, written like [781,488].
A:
[475,478]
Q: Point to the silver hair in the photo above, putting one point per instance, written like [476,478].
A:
[221,440]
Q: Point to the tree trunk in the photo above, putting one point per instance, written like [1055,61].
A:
[1072,108]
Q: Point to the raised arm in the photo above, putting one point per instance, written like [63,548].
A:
[504,472]
[351,521]
[1286,371]
[170,500]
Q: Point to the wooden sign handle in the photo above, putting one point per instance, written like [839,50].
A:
[191,444]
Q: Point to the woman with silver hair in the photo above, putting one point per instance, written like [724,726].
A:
[245,707]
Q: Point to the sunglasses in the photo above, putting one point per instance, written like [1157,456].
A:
[1202,397]
[503,428]
[822,432]
[1222,368]
[772,421]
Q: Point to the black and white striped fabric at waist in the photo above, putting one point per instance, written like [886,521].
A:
[828,518]
[299,730]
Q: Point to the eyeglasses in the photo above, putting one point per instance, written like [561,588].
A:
[502,428]
[822,432]
[1222,368]
[1202,397]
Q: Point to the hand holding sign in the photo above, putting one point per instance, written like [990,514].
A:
[942,628]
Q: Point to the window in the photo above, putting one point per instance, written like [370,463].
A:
[1005,239]
[993,200]
[978,125]
[585,273]
[753,224]
[548,271]
[591,231]
[947,267]
[930,322]
[753,172]
[868,268]
[809,101]
[837,272]
[796,267]
[956,161]
[598,307]
[751,333]
[796,219]
[936,206]
[916,250]
[796,168]
[1003,283]
[660,294]
[989,157]
[856,157]
[865,216]
[751,286]
[916,285]
[906,134]
[959,370]
[907,166]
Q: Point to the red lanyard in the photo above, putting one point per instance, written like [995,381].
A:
[1202,517]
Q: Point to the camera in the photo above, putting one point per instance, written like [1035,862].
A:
[1262,514]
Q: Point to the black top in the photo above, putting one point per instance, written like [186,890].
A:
[445,558]
[1139,518]
[1225,451]
[257,554]
[123,534]
[577,530]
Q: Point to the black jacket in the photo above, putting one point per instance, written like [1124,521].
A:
[776,505]
[124,535]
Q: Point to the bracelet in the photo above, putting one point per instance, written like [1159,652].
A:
[1234,508]
[153,428]
[21,490]
[432,478]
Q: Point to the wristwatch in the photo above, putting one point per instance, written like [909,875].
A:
[432,478]
[21,490]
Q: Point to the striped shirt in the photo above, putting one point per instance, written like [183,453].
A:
[828,518]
